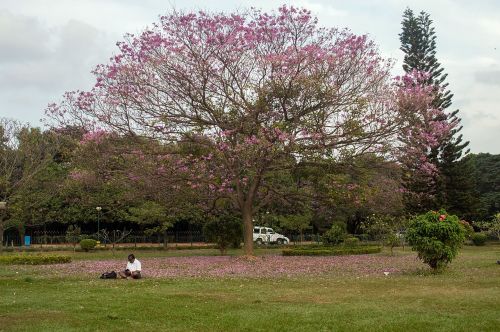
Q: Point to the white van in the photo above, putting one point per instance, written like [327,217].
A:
[268,235]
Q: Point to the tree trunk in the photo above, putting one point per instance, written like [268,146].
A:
[165,240]
[1,235]
[247,231]
[22,232]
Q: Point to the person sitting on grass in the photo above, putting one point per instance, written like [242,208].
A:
[133,268]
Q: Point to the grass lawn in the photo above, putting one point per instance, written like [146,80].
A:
[466,297]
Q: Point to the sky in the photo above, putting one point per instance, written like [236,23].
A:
[48,47]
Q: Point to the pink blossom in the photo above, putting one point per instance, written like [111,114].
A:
[96,136]
[76,175]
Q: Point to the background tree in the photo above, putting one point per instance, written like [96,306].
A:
[370,185]
[154,216]
[449,186]
[296,223]
[487,177]
[24,151]
[73,235]
[225,230]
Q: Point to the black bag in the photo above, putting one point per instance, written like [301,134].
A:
[109,275]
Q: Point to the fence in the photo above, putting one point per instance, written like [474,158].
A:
[40,238]
[58,238]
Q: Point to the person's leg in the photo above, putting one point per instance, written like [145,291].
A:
[124,274]
[136,275]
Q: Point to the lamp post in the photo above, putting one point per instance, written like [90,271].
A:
[98,222]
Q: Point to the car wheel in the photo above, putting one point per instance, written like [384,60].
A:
[259,242]
[280,241]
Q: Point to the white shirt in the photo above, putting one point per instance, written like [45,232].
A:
[135,266]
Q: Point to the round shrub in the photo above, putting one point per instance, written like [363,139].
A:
[479,239]
[88,244]
[334,235]
[436,236]
[351,241]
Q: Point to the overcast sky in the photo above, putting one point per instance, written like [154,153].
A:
[50,46]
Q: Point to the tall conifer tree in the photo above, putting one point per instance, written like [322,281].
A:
[451,188]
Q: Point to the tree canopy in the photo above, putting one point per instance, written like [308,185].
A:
[254,92]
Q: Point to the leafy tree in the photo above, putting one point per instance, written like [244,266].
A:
[348,193]
[40,200]
[295,222]
[24,151]
[383,227]
[487,177]
[154,215]
[491,227]
[224,230]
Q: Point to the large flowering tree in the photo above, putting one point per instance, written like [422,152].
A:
[258,91]
[427,130]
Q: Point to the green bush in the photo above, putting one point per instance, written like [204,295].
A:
[468,229]
[351,241]
[363,237]
[333,236]
[392,240]
[88,244]
[225,231]
[34,259]
[332,251]
[436,236]
[479,239]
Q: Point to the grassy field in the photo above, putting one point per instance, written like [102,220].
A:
[465,297]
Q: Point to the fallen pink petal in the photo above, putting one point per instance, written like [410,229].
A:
[271,266]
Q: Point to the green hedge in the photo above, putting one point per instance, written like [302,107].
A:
[88,244]
[34,259]
[108,247]
[332,251]
[479,239]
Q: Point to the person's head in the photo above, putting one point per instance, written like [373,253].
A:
[131,258]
